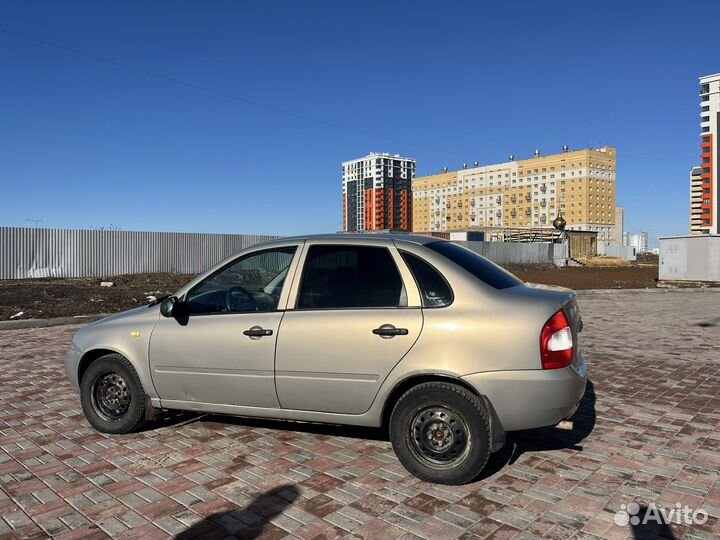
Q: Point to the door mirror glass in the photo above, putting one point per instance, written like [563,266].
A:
[168,306]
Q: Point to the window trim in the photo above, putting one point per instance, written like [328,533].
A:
[300,276]
[403,252]
[283,294]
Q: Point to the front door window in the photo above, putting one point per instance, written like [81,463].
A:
[252,283]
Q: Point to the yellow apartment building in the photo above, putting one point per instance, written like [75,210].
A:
[522,193]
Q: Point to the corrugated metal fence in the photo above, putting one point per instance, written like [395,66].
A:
[615,250]
[517,252]
[33,253]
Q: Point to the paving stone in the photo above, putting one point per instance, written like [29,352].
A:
[648,432]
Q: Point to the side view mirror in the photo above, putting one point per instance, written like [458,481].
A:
[168,306]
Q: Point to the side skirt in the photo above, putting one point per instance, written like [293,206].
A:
[366,419]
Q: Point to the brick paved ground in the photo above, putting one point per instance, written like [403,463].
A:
[648,431]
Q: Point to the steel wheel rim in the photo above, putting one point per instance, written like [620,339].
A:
[110,396]
[439,437]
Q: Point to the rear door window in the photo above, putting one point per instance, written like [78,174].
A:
[478,266]
[337,277]
[434,289]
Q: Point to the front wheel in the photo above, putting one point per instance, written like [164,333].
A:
[112,396]
[440,433]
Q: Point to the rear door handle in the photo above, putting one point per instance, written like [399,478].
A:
[388,331]
[257,331]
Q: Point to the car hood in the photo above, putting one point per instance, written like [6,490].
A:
[139,313]
[118,332]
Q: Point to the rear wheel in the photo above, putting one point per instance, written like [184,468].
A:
[441,433]
[112,396]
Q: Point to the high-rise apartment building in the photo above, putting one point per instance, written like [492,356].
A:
[640,241]
[696,196]
[524,193]
[616,235]
[704,183]
[377,193]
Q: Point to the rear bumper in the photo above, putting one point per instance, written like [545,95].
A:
[533,398]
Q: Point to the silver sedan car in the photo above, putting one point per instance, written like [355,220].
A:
[441,346]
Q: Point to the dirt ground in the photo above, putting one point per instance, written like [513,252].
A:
[47,298]
[636,276]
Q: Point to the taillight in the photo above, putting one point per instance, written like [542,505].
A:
[556,342]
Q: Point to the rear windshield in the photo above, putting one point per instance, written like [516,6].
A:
[478,266]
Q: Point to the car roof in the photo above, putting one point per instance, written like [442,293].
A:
[360,237]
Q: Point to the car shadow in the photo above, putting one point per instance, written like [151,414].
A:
[547,438]
[177,418]
[708,324]
[651,529]
[330,430]
[170,418]
[245,523]
[552,438]
[517,444]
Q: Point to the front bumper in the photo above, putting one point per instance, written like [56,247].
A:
[533,398]
[72,361]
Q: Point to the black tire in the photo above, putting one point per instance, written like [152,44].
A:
[441,433]
[112,396]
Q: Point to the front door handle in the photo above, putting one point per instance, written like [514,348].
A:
[388,330]
[257,331]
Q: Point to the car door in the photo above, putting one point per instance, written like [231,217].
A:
[223,351]
[356,313]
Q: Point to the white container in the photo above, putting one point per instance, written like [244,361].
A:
[690,258]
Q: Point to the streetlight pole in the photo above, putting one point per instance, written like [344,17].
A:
[35,221]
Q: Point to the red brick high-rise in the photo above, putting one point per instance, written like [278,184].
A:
[377,193]
[705,199]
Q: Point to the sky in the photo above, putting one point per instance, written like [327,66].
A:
[231,116]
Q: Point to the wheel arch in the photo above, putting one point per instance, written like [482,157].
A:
[95,353]
[89,357]
[138,403]
[497,433]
